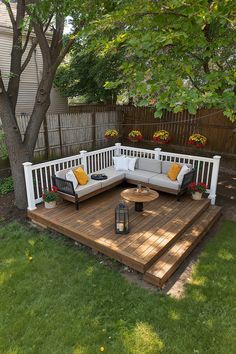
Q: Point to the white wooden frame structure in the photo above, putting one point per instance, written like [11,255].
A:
[38,176]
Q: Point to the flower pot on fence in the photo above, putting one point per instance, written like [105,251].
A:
[196,196]
[50,205]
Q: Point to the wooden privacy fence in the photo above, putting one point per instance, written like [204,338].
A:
[218,129]
[83,129]
[66,134]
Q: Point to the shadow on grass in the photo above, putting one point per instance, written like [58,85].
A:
[56,298]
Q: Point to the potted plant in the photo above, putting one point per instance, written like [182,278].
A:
[161,137]
[50,197]
[135,136]
[111,134]
[197,140]
[197,190]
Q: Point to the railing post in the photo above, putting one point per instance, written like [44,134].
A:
[29,185]
[117,151]
[214,179]
[157,153]
[84,159]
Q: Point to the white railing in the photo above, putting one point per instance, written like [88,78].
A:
[38,177]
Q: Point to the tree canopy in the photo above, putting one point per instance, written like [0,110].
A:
[86,74]
[178,54]
[39,24]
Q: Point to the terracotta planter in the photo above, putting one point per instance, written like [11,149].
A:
[50,205]
[196,196]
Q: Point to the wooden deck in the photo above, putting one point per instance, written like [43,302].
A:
[160,237]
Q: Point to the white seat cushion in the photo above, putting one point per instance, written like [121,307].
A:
[139,175]
[90,187]
[163,180]
[113,176]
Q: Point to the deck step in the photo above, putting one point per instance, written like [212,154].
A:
[167,264]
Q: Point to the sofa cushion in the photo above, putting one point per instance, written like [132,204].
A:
[90,187]
[113,176]
[173,171]
[81,176]
[139,175]
[166,166]
[162,180]
[150,165]
[132,163]
[71,177]
[115,159]
[62,173]
[185,169]
[122,164]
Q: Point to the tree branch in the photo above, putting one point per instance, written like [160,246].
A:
[29,55]
[43,43]
[195,85]
[67,47]
[168,12]
[6,106]
[26,40]
[16,55]
[10,13]
[33,46]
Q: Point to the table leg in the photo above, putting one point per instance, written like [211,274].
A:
[138,206]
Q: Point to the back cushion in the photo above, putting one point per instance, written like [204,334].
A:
[166,166]
[149,165]
[62,173]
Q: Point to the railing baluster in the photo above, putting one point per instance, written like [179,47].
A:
[35,178]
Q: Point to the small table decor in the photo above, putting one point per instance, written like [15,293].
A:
[139,198]
[99,176]
[142,190]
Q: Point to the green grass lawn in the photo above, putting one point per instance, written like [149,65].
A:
[56,298]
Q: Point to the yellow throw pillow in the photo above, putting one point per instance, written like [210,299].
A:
[81,176]
[173,172]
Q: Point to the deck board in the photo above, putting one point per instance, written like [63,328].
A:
[151,231]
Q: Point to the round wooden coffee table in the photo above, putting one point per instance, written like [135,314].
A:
[138,198]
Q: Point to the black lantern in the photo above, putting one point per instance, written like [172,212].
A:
[121,219]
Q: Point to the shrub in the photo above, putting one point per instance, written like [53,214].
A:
[6,185]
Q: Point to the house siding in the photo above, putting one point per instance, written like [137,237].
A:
[30,77]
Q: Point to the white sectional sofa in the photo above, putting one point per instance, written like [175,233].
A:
[148,172]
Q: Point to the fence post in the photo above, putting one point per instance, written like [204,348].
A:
[214,179]
[94,142]
[84,159]
[46,140]
[157,153]
[117,151]
[60,133]
[29,185]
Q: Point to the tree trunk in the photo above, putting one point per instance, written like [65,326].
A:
[16,159]
[17,151]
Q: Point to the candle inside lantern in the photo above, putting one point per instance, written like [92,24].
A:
[120,226]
